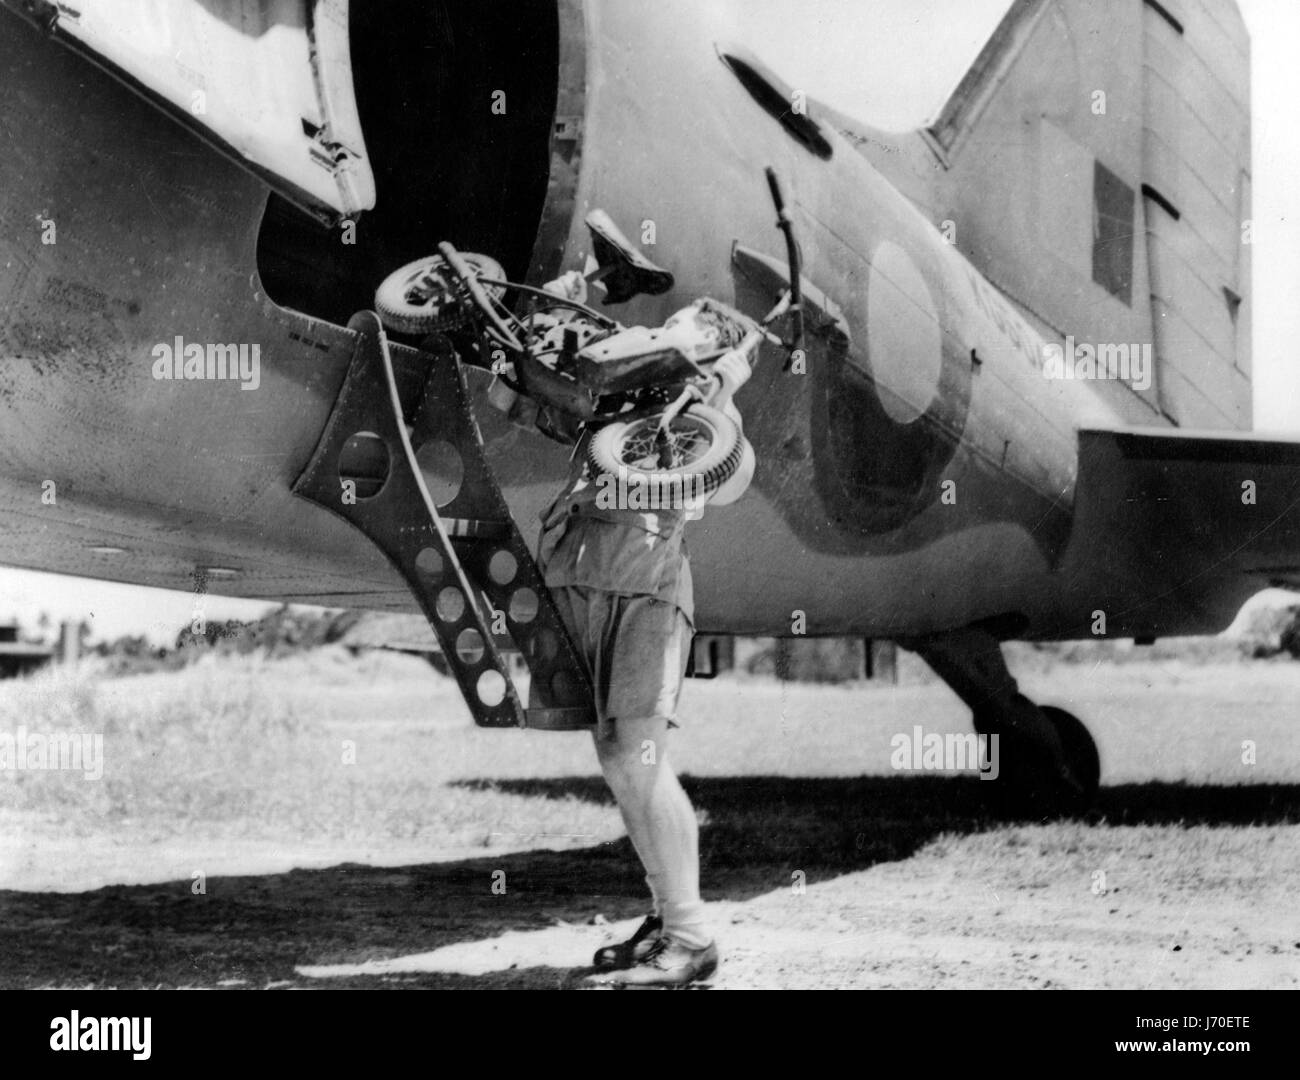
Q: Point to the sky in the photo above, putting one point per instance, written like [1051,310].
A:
[943,36]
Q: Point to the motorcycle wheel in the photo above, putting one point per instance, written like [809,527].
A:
[700,452]
[425,296]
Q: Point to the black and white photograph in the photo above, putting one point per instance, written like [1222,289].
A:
[594,494]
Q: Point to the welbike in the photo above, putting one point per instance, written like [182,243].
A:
[645,394]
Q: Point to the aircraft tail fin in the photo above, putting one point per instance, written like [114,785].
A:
[1096,169]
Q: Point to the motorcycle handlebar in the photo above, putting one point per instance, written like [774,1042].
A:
[470,280]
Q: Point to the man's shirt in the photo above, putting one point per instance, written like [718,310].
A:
[589,543]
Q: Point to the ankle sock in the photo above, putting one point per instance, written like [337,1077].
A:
[684,922]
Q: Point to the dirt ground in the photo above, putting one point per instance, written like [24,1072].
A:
[825,867]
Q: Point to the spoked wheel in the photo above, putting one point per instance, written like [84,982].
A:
[426,295]
[680,467]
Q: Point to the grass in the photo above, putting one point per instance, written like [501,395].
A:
[323,748]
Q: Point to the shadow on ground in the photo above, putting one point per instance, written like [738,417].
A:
[758,829]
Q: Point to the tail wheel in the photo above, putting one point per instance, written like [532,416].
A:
[1028,783]
[1080,750]
[680,467]
[425,296]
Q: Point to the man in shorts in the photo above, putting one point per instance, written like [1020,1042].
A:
[622,583]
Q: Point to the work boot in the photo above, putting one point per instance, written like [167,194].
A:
[667,962]
[626,953]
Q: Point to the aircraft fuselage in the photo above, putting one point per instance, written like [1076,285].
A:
[915,473]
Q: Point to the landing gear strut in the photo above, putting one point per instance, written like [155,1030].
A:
[1049,766]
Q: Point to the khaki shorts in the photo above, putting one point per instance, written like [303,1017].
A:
[635,649]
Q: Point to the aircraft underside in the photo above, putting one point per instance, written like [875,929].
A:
[113,467]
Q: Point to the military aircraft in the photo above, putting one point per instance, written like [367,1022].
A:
[1023,410]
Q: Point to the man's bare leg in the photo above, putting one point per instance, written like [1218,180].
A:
[660,822]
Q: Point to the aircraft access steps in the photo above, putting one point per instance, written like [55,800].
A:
[466,562]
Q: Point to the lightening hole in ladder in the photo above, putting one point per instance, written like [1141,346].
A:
[491,688]
[503,566]
[365,462]
[443,470]
[545,646]
[469,646]
[564,688]
[523,605]
[429,561]
[450,605]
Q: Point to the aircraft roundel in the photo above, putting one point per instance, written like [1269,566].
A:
[889,411]
[906,344]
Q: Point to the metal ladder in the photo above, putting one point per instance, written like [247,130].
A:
[454,555]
